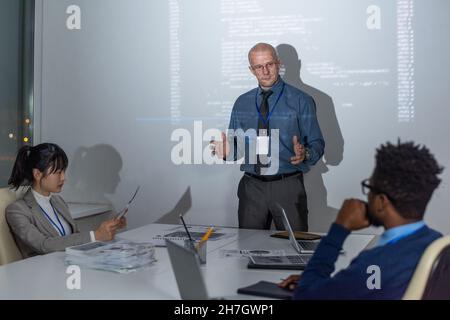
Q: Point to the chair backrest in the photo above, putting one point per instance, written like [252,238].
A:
[438,285]
[8,248]
[431,278]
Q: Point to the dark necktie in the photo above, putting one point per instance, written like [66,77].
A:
[261,160]
[264,109]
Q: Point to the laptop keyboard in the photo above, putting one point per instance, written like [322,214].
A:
[302,259]
[299,259]
[308,245]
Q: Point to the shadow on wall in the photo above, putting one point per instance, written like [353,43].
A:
[181,208]
[320,214]
[93,173]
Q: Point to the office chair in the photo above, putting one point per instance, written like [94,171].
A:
[8,248]
[431,279]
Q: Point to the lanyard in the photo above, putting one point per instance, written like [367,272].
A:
[273,108]
[61,231]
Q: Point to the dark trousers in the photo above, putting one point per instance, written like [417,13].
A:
[257,198]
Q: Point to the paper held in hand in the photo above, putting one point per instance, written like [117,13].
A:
[124,211]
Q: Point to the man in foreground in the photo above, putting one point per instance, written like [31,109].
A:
[399,190]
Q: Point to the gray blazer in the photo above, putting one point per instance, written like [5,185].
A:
[34,234]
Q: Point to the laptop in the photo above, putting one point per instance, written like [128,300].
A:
[301,246]
[186,267]
[288,262]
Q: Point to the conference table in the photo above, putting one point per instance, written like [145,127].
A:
[45,276]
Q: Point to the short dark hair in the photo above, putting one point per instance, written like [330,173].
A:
[408,174]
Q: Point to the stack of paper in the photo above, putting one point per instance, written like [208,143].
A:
[119,256]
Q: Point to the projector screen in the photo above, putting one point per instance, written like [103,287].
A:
[133,90]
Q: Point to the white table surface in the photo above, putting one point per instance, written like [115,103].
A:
[44,277]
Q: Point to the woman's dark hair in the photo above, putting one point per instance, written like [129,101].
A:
[46,157]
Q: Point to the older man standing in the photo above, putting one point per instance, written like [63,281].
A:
[273,105]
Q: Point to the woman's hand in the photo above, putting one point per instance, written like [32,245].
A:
[122,223]
[107,229]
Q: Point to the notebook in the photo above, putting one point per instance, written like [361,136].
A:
[266,289]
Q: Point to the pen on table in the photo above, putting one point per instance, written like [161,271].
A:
[187,231]
[205,237]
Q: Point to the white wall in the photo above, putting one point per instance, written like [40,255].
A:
[112,93]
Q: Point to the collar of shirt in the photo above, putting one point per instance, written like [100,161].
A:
[40,198]
[276,88]
[399,232]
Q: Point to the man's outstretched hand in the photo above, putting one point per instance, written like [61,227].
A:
[299,151]
[220,148]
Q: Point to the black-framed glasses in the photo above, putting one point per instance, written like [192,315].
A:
[366,188]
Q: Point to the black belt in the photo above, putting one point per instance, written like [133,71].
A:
[275,177]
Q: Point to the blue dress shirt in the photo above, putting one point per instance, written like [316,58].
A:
[293,113]
[394,234]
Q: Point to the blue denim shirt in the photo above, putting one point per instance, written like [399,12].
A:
[293,115]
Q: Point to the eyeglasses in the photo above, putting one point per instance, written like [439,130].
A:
[366,188]
[268,65]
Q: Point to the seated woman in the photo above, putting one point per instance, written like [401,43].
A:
[40,221]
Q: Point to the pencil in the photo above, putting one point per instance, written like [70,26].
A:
[207,234]
[205,237]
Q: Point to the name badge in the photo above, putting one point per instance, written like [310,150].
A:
[262,145]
